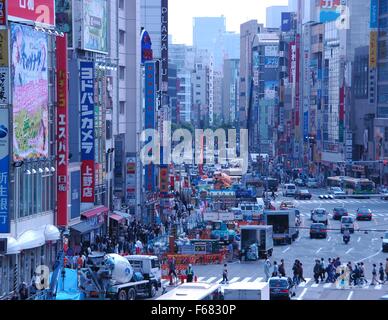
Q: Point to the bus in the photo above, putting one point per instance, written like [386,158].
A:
[353,185]
[194,291]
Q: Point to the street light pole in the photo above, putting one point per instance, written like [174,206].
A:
[110,156]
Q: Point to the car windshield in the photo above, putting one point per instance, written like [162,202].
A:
[304,191]
[278,283]
[386,236]
[337,189]
[317,226]
[364,211]
[320,212]
[347,220]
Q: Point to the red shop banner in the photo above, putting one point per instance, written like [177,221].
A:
[87,181]
[41,12]
[3,20]
[62,131]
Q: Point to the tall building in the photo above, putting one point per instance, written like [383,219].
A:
[248,31]
[183,57]
[208,35]
[217,101]
[230,91]
[274,16]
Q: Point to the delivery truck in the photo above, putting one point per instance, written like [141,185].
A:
[251,291]
[284,223]
[256,242]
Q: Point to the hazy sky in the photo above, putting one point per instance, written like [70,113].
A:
[181,13]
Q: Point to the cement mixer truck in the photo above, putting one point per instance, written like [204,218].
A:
[112,277]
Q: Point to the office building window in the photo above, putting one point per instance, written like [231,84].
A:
[122,37]
[122,73]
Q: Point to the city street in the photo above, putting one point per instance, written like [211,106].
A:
[363,247]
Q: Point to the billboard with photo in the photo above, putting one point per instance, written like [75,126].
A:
[270,88]
[328,10]
[29,80]
[95,26]
[64,18]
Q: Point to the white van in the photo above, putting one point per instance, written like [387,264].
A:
[289,190]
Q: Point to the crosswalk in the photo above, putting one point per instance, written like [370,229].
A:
[338,201]
[382,215]
[310,283]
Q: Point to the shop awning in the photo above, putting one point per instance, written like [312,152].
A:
[12,246]
[94,212]
[123,214]
[85,227]
[117,217]
[51,233]
[31,239]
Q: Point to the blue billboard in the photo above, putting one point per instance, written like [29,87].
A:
[374,14]
[286,21]
[150,118]
[4,171]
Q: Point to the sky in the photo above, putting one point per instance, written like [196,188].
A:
[182,12]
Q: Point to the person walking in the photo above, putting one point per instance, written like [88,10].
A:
[323,270]
[282,268]
[267,269]
[302,279]
[225,275]
[275,272]
[295,270]
[172,271]
[375,281]
[386,270]
[317,271]
[190,273]
[381,273]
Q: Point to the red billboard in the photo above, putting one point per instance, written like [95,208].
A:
[62,132]
[40,12]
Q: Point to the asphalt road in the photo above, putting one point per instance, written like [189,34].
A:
[364,246]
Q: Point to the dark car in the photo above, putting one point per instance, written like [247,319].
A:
[303,195]
[318,230]
[281,288]
[338,213]
[364,214]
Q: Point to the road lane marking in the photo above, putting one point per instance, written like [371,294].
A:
[378,287]
[373,255]
[234,280]
[319,250]
[327,285]
[259,279]
[366,287]
[286,249]
[350,250]
[200,279]
[247,279]
[315,285]
[359,239]
[303,294]
[350,296]
[303,284]
[210,280]
[328,240]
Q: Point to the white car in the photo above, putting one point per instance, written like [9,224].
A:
[385,242]
[384,194]
[337,192]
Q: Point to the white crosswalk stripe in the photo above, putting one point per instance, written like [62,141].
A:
[235,279]
[327,285]
[378,287]
[210,280]
[247,279]
[315,285]
[259,279]
[304,284]
[200,279]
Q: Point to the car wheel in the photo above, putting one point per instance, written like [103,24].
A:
[122,295]
[152,292]
[132,294]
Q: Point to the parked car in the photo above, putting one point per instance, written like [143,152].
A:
[347,223]
[337,192]
[338,213]
[364,214]
[303,195]
[318,230]
[385,242]
[320,215]
[281,288]
[312,183]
